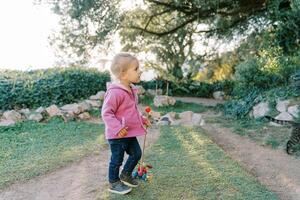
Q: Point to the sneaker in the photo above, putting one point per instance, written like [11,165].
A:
[127,179]
[119,188]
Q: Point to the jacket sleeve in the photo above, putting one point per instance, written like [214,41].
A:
[109,108]
[143,118]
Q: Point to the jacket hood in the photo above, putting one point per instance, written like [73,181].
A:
[115,85]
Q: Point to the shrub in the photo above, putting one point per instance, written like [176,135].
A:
[296,82]
[51,86]
[239,108]
[186,88]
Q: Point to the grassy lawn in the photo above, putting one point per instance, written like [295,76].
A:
[188,165]
[29,149]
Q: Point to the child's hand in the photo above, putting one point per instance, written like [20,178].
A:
[123,132]
[147,123]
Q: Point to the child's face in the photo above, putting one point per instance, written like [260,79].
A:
[133,74]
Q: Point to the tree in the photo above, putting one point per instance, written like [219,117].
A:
[85,25]
[170,52]
[88,23]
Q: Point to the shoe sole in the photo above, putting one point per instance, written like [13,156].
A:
[117,192]
[128,184]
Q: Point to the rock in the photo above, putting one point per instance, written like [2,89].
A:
[94,103]
[170,116]
[35,117]
[197,120]
[281,106]
[72,108]
[165,120]
[53,110]
[176,122]
[171,101]
[68,116]
[99,96]
[25,111]
[84,116]
[40,110]
[294,110]
[282,116]
[163,123]
[155,115]
[186,117]
[260,109]
[12,115]
[162,100]
[7,122]
[219,95]
[85,106]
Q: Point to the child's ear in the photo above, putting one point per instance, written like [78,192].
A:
[122,75]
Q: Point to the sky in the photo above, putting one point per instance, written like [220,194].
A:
[25,28]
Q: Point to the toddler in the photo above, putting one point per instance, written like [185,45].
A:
[123,122]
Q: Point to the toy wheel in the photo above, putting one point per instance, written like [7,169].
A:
[135,174]
[144,177]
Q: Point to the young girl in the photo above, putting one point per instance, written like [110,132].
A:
[123,122]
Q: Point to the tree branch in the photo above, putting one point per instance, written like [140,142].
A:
[183,9]
[159,34]
[155,15]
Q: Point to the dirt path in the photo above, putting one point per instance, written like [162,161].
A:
[83,180]
[273,168]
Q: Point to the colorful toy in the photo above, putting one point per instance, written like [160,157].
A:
[142,172]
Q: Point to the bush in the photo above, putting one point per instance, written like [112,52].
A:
[188,88]
[225,86]
[239,108]
[192,89]
[250,77]
[296,82]
[51,86]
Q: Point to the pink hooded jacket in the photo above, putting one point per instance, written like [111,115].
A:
[120,110]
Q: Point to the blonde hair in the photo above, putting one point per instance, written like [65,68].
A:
[121,63]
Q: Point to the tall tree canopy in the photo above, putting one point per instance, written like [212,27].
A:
[168,24]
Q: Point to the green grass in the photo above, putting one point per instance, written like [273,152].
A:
[178,107]
[29,149]
[188,165]
[256,129]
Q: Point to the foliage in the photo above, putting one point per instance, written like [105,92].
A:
[29,149]
[171,53]
[240,107]
[85,26]
[269,69]
[287,27]
[88,24]
[52,86]
[190,88]
[226,85]
[248,76]
[296,81]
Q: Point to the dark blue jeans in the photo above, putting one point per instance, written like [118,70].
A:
[118,147]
